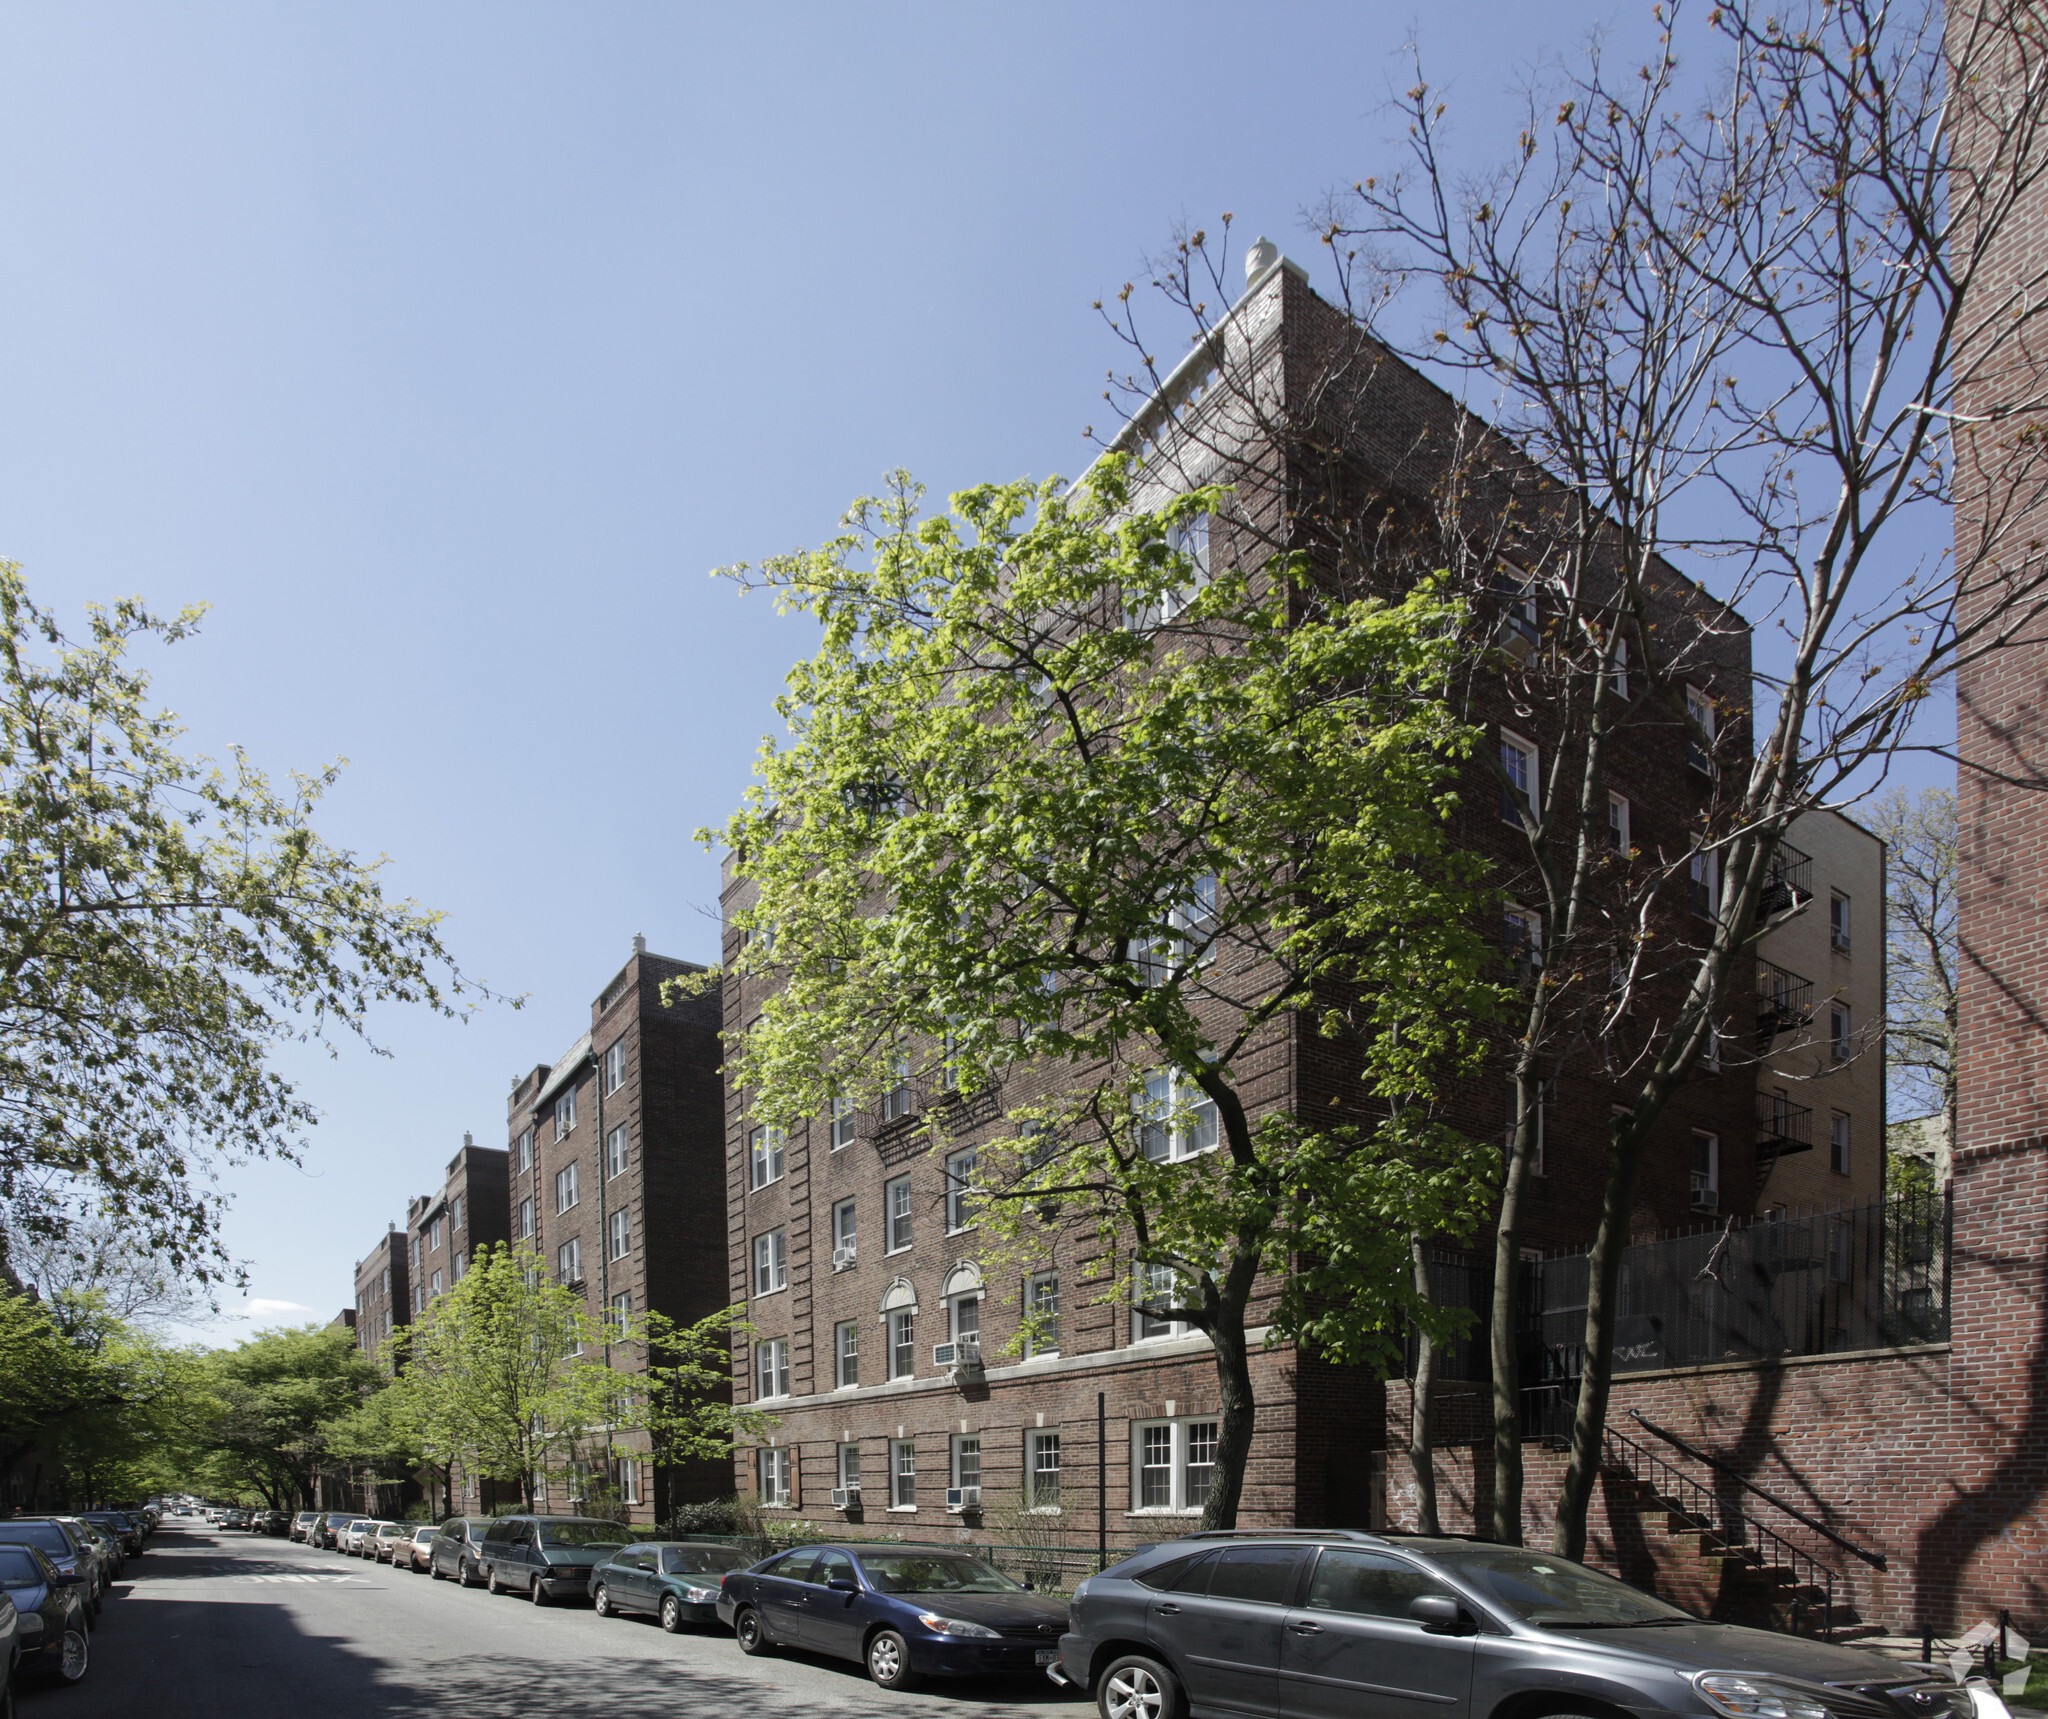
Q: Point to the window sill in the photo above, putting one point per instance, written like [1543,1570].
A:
[1163,1510]
[903,1509]
[892,1252]
[763,1294]
[752,1187]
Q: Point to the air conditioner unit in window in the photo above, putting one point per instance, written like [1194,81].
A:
[963,1498]
[945,1354]
[964,1352]
[844,1255]
[846,1498]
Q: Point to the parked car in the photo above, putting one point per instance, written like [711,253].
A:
[10,1645]
[303,1522]
[326,1530]
[121,1525]
[356,1536]
[236,1518]
[53,1636]
[454,1553]
[1359,1624]
[905,1612]
[677,1581]
[416,1551]
[67,1550]
[546,1558]
[105,1551]
[389,1538]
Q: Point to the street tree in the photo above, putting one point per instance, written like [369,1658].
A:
[1921,949]
[282,1394]
[1076,820]
[165,922]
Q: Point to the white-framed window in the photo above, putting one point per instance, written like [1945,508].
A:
[618,1234]
[1706,1171]
[1620,681]
[846,1356]
[615,1068]
[966,1462]
[1522,938]
[1519,627]
[1839,1046]
[458,1269]
[771,1367]
[1042,1470]
[384,1279]
[1838,922]
[615,1153]
[1158,1285]
[565,1112]
[896,1214]
[849,1465]
[566,1194]
[522,1151]
[771,1262]
[1700,729]
[1618,823]
[434,1236]
[1522,785]
[434,1284]
[896,1102]
[1703,884]
[1191,924]
[626,1477]
[455,1213]
[414,1248]
[622,1312]
[1176,1118]
[842,1123]
[902,1474]
[1172,1465]
[525,1230]
[963,1319]
[1838,1143]
[1190,538]
[1042,1310]
[764,1156]
[772,1471]
[959,1190]
[902,1342]
[949,1049]
[568,1261]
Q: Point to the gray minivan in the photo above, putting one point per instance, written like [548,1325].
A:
[1349,1625]
[546,1557]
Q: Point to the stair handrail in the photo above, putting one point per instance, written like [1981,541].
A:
[1876,1560]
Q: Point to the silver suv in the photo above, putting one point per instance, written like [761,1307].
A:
[1347,1625]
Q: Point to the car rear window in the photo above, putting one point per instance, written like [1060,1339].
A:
[1168,1574]
[700,1560]
[582,1534]
[18,1569]
[47,1535]
[1263,1574]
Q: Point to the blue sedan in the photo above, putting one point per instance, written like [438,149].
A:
[905,1612]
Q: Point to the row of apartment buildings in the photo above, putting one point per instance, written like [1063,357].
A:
[902,1400]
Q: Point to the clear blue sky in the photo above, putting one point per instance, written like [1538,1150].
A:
[443,348]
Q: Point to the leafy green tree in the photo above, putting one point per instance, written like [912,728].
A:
[163,923]
[511,1374]
[1072,815]
[282,1395]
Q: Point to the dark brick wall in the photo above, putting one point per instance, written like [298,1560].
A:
[383,1304]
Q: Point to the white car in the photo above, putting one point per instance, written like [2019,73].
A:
[357,1535]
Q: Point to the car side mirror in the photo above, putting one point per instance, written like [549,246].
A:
[843,1585]
[1439,1614]
[60,1580]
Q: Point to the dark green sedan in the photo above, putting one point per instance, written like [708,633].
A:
[676,1580]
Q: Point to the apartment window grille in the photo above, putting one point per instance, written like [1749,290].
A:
[960,1190]
[568,1261]
[566,1194]
[902,1342]
[565,1113]
[615,1068]
[774,1475]
[764,1156]
[620,1239]
[1838,923]
[896,1213]
[1175,1462]
[846,1352]
[1042,1313]
[771,1262]
[902,1474]
[615,1154]
[1042,1470]
[1838,1144]
[771,1368]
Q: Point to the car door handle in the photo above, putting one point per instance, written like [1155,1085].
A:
[1306,1628]
[1167,1611]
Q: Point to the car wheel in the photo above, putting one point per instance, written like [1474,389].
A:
[601,1600]
[465,1573]
[73,1656]
[750,1632]
[1138,1687]
[888,1660]
[535,1591]
[491,1583]
[434,1571]
[671,1616]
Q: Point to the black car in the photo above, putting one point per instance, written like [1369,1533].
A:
[327,1529]
[905,1612]
[455,1549]
[676,1581]
[56,1639]
[125,1528]
[65,1550]
[546,1558]
[1349,1625]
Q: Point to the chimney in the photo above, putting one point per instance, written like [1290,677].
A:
[639,944]
[1261,257]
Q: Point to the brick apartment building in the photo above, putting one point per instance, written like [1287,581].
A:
[883,1347]
[616,1149]
[472,1210]
[383,1291]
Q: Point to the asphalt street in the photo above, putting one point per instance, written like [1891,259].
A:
[228,1626]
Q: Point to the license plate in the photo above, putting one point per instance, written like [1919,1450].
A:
[1046,1655]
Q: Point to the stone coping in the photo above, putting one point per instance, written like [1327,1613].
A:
[1768,1363]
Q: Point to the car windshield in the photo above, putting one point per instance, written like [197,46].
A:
[582,1534]
[934,1573]
[47,1535]
[394,1530]
[700,1560]
[18,1569]
[1555,1592]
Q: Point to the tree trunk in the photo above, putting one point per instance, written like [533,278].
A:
[1421,1446]
[1504,1325]
[1234,1428]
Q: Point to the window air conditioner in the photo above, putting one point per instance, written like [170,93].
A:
[963,1498]
[945,1354]
[844,1255]
[846,1498]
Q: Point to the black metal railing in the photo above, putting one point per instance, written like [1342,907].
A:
[1782,1127]
[1784,1002]
[1788,881]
